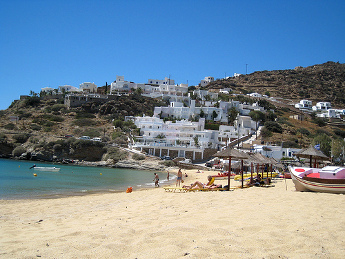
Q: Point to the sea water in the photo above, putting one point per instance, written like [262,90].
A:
[18,181]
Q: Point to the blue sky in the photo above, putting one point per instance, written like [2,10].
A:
[46,43]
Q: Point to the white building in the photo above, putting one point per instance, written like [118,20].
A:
[165,81]
[120,85]
[47,89]
[276,152]
[330,113]
[255,95]
[322,106]
[180,137]
[203,93]
[304,105]
[88,87]
[206,81]
[68,89]
[178,110]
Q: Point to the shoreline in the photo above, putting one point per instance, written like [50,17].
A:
[255,222]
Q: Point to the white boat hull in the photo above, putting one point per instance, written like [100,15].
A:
[47,169]
[304,184]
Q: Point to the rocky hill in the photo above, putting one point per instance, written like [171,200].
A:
[323,82]
[44,129]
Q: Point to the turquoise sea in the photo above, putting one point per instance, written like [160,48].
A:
[17,180]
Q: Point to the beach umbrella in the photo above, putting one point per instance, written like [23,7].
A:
[311,152]
[231,153]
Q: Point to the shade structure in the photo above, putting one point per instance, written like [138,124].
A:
[312,153]
[231,153]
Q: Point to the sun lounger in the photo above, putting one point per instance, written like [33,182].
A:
[180,189]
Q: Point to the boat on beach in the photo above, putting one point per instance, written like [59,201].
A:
[329,179]
[46,169]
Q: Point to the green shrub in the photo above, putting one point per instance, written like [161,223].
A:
[56,118]
[266,133]
[21,138]
[283,120]
[339,132]
[35,127]
[3,137]
[92,132]
[138,157]
[116,154]
[304,131]
[319,121]
[84,122]
[58,107]
[18,151]
[31,101]
[212,126]
[10,126]
[83,115]
[273,126]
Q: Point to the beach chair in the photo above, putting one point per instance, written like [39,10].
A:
[181,189]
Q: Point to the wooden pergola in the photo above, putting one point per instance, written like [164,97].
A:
[312,153]
[231,153]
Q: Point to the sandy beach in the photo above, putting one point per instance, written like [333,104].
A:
[257,222]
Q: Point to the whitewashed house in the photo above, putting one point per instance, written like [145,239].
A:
[47,90]
[68,89]
[203,93]
[330,113]
[276,152]
[120,85]
[304,105]
[322,106]
[255,95]
[206,81]
[177,139]
[88,87]
[165,81]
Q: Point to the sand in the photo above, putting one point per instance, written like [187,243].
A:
[275,222]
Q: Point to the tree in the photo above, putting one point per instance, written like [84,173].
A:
[196,141]
[257,116]
[214,115]
[325,142]
[232,115]
[160,136]
[202,114]
[207,97]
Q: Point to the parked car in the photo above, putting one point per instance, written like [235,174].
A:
[97,139]
[85,138]
[166,158]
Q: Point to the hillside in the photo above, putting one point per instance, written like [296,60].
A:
[323,82]
[44,129]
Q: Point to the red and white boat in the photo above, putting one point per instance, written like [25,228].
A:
[328,179]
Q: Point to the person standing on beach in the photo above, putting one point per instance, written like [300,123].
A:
[168,176]
[179,178]
[156,180]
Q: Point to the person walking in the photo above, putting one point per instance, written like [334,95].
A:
[179,178]
[156,180]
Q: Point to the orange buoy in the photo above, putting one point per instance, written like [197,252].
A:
[35,174]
